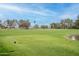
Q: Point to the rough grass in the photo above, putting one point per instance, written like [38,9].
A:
[38,42]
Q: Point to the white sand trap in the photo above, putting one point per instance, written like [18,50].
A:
[74,37]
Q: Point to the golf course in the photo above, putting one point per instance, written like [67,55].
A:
[38,42]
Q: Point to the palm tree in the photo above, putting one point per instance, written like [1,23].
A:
[34,22]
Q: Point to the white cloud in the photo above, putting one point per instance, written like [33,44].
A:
[39,11]
[48,12]
[70,12]
[10,7]
[74,7]
[64,16]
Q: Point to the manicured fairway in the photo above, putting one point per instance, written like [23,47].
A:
[40,42]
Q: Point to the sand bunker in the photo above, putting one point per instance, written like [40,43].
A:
[74,37]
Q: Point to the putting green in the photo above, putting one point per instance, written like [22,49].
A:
[37,42]
[23,42]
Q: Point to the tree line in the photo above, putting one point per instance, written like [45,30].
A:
[26,24]
[15,24]
[66,24]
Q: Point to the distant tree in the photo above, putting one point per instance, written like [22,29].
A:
[0,23]
[11,23]
[68,23]
[44,26]
[24,24]
[77,22]
[34,22]
[53,25]
[14,23]
[63,24]
[58,25]
[36,26]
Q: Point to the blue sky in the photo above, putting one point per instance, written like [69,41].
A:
[41,13]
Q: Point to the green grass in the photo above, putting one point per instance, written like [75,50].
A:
[38,42]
